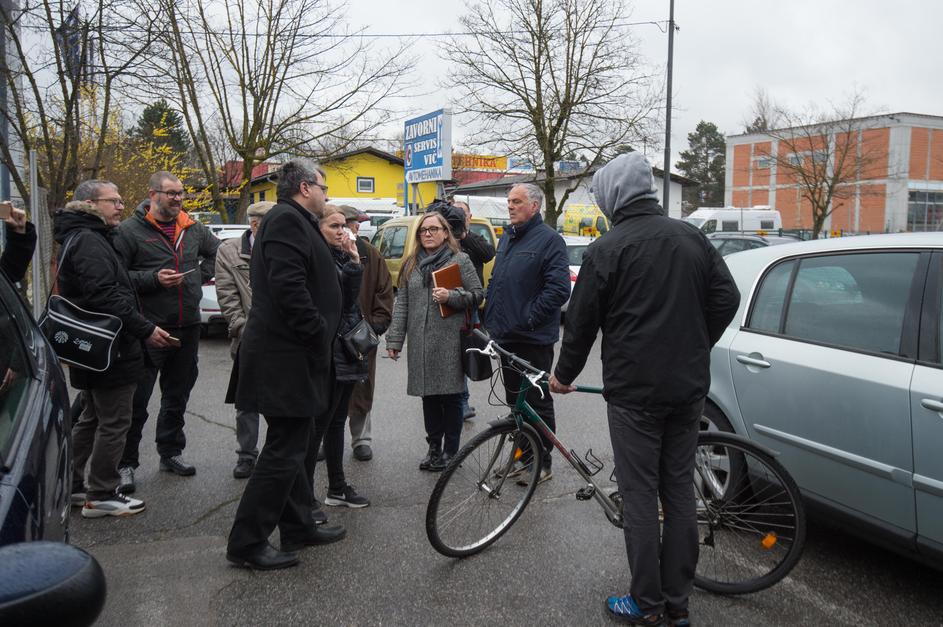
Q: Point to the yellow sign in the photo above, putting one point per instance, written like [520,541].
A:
[480,163]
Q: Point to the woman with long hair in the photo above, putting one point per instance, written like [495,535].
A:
[433,354]
[348,369]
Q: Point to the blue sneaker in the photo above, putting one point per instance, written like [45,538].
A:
[624,609]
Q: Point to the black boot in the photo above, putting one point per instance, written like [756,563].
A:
[440,462]
[435,449]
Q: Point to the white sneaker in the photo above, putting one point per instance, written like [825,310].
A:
[117,505]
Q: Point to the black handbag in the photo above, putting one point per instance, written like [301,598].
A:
[81,338]
[361,340]
[476,366]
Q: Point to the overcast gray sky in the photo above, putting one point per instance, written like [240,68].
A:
[798,50]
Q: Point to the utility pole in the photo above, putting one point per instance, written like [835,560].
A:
[667,170]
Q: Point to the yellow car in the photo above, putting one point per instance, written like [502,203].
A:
[396,238]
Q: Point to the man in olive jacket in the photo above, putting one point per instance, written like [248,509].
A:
[168,256]
[662,296]
[235,299]
[286,371]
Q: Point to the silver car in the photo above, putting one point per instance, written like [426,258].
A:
[835,362]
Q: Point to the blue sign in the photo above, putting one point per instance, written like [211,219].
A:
[427,147]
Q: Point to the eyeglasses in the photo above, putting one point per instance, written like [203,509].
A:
[316,184]
[117,202]
[172,193]
[430,230]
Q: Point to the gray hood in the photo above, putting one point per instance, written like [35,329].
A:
[626,179]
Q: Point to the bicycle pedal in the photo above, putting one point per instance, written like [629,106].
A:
[585,493]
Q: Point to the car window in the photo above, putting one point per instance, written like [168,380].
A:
[709,226]
[575,252]
[15,365]
[768,304]
[396,242]
[483,230]
[857,300]
[736,245]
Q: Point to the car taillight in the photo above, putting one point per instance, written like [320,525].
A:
[572,276]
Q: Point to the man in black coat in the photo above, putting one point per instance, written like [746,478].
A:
[662,296]
[286,371]
[92,276]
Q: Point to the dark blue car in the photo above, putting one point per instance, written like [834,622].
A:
[35,445]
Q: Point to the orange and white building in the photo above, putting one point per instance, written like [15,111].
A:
[898,188]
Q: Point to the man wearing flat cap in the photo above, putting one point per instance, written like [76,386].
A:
[376,303]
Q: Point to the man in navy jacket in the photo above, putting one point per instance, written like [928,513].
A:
[529,285]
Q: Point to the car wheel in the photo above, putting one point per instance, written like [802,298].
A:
[712,419]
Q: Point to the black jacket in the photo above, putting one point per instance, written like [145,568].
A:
[145,250]
[663,296]
[479,250]
[17,252]
[285,358]
[92,276]
[347,367]
[529,284]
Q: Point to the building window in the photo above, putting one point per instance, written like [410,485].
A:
[365,185]
[764,163]
[261,195]
[925,211]
[251,198]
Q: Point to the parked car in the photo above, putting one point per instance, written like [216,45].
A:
[728,243]
[835,362]
[575,247]
[396,238]
[35,426]
[211,318]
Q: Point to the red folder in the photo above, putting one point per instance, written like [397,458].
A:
[449,277]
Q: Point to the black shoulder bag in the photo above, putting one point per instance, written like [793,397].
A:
[81,338]
[477,366]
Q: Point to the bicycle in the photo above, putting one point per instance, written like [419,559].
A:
[751,520]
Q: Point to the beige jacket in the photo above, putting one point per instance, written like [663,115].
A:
[232,285]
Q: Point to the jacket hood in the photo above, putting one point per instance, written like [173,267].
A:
[77,214]
[623,181]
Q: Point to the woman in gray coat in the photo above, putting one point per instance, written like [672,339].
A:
[433,356]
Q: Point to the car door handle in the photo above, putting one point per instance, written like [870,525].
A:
[931,404]
[753,361]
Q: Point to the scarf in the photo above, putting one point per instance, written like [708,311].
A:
[430,262]
[340,257]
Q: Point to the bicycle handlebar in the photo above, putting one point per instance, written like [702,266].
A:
[507,355]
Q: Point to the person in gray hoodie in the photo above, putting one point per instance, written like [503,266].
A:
[662,296]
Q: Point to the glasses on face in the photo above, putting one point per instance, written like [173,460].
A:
[117,202]
[170,193]
[316,184]
[430,230]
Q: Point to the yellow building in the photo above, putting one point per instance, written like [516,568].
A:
[364,173]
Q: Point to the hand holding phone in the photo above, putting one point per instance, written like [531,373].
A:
[187,272]
[173,341]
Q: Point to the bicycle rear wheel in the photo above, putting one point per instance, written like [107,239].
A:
[751,521]
[479,496]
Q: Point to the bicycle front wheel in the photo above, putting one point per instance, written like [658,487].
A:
[750,516]
[484,490]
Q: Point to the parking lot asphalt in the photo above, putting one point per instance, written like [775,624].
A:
[554,567]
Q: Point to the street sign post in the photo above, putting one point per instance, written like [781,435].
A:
[427,148]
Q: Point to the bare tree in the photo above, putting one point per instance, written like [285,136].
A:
[823,154]
[278,77]
[764,115]
[546,78]
[62,68]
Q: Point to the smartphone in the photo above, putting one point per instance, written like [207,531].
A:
[6,210]
[173,341]
[187,272]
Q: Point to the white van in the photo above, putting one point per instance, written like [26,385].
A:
[735,219]
[378,209]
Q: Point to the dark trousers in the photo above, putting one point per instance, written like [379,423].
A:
[360,406]
[278,493]
[442,414]
[654,458]
[98,438]
[177,367]
[330,428]
[540,357]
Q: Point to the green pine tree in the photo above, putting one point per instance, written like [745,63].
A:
[162,125]
[705,162]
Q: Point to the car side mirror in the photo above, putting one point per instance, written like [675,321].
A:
[49,583]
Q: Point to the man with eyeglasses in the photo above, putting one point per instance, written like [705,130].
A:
[168,256]
[92,276]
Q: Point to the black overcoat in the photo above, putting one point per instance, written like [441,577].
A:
[285,365]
